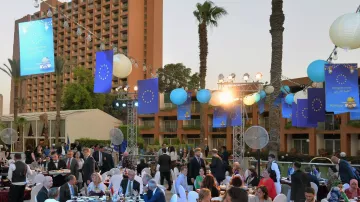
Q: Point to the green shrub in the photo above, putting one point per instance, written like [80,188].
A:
[354,123]
[87,142]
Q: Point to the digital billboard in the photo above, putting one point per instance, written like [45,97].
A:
[36,47]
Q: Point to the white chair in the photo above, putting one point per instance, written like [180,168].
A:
[139,180]
[346,186]
[104,176]
[115,182]
[315,187]
[174,198]
[39,178]
[157,177]
[146,170]
[114,171]
[193,196]
[324,200]
[227,180]
[157,167]
[34,192]
[182,194]
[280,198]
[176,171]
[173,177]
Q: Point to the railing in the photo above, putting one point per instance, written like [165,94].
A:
[168,129]
[168,106]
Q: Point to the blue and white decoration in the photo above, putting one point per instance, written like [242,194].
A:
[36,47]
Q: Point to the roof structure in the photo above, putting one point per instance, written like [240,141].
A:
[51,115]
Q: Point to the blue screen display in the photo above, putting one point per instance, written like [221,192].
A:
[36,47]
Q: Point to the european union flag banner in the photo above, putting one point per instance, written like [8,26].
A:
[184,110]
[235,116]
[220,118]
[316,104]
[103,71]
[303,117]
[36,47]
[342,90]
[286,109]
[148,96]
[354,115]
[261,106]
[294,115]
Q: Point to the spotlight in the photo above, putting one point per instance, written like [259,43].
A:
[246,77]
[233,75]
[126,88]
[136,104]
[116,104]
[258,76]
[135,88]
[124,105]
[221,78]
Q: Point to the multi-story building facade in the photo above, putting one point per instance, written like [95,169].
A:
[134,27]
[333,135]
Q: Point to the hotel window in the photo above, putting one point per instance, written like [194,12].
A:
[170,139]
[149,139]
[194,140]
[300,143]
[218,141]
[332,143]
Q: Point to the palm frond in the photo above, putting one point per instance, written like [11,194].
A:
[8,73]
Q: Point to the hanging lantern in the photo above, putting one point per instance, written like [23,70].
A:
[316,71]
[249,100]
[257,97]
[269,89]
[303,94]
[215,99]
[345,31]
[122,66]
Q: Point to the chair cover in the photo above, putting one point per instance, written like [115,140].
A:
[174,198]
[280,198]
[182,194]
[34,192]
[193,196]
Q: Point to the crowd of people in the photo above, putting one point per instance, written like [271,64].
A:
[208,178]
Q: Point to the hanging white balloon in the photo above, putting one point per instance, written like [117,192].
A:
[215,99]
[249,100]
[345,31]
[269,89]
[303,94]
[122,66]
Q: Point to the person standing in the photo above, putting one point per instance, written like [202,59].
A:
[299,182]
[107,161]
[57,164]
[195,165]
[69,189]
[274,170]
[206,151]
[345,171]
[217,166]
[88,167]
[17,175]
[72,164]
[165,165]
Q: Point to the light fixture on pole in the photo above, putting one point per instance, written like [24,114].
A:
[258,76]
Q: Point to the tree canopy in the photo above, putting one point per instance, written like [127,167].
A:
[177,75]
[79,94]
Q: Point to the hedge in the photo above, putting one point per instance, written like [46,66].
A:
[87,142]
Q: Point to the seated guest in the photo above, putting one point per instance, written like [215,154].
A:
[252,180]
[262,194]
[96,187]
[36,164]
[199,178]
[69,189]
[45,163]
[129,184]
[53,195]
[345,170]
[237,170]
[268,183]
[43,193]
[157,194]
[182,180]
[311,178]
[57,164]
[337,194]
[354,190]
[235,194]
[204,195]
[209,182]
[309,194]
[141,166]
[146,178]
[236,181]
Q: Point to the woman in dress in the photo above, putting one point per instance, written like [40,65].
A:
[199,178]
[80,162]
[96,187]
[29,155]
[209,182]
[268,183]
[262,194]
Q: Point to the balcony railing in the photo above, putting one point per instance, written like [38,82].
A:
[168,106]
[146,125]
[193,124]
[168,129]
[330,123]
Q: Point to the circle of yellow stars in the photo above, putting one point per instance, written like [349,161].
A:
[313,105]
[341,82]
[104,67]
[151,99]
[303,112]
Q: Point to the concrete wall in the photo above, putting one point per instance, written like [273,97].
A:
[94,124]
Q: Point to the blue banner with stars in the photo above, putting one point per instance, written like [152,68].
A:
[342,90]
[316,104]
[303,115]
[148,96]
[220,118]
[184,110]
[235,116]
[103,71]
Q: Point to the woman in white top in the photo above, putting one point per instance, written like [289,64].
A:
[80,162]
[96,187]
[173,156]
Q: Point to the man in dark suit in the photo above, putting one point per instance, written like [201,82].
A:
[88,167]
[72,164]
[165,165]
[57,164]
[43,193]
[157,194]
[217,166]
[299,182]
[68,189]
[346,173]
[195,164]
[107,161]
[46,163]
[129,185]
[146,178]
[311,178]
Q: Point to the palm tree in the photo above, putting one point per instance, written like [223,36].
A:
[20,123]
[207,14]
[59,72]
[277,19]
[14,73]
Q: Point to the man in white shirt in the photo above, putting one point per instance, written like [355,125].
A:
[17,174]
[43,193]
[275,167]
[182,180]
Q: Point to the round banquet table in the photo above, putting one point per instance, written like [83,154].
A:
[4,194]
